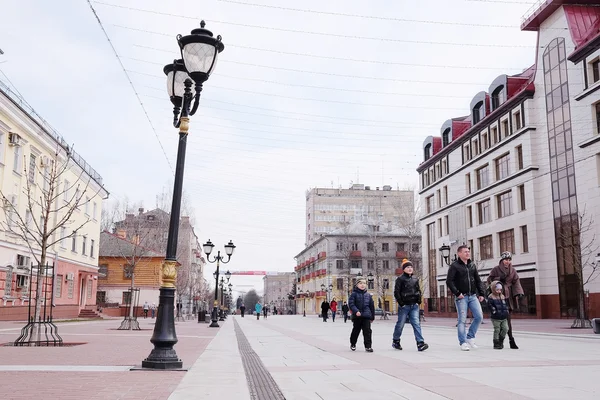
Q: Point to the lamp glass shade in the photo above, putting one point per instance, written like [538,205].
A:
[322,286]
[229,247]
[200,57]
[207,247]
[227,274]
[175,83]
[445,250]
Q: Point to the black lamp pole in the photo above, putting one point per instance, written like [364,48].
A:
[179,82]
[229,247]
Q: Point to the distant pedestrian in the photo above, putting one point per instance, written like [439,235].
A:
[333,308]
[258,309]
[265,310]
[408,295]
[464,282]
[242,309]
[499,309]
[274,310]
[363,313]
[345,310]
[153,309]
[512,289]
[145,308]
[324,309]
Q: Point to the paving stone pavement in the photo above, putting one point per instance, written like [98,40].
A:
[307,359]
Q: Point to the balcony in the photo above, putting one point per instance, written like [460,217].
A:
[355,254]
[322,255]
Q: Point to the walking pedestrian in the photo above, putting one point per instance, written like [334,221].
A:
[145,308]
[407,293]
[511,286]
[265,311]
[499,308]
[242,310]
[345,310]
[324,309]
[333,308]
[153,309]
[258,309]
[464,282]
[363,313]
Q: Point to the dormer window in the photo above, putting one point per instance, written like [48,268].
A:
[478,112]
[427,152]
[446,137]
[498,97]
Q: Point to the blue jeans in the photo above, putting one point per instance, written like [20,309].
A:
[413,315]
[472,303]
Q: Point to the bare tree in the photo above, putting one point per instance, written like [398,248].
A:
[50,205]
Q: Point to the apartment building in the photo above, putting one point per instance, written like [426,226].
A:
[279,291]
[29,147]
[337,258]
[521,171]
[328,209]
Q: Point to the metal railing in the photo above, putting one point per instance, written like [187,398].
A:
[19,101]
[534,7]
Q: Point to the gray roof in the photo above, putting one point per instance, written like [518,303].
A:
[113,246]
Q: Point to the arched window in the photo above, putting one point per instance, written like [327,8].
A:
[428,151]
[478,112]
[446,137]
[498,97]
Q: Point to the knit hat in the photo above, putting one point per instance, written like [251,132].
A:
[498,286]
[363,280]
[506,256]
[406,263]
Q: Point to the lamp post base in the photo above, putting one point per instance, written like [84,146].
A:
[214,317]
[163,356]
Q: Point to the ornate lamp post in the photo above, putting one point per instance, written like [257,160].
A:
[221,285]
[327,290]
[445,250]
[208,247]
[199,52]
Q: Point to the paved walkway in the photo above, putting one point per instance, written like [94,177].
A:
[305,359]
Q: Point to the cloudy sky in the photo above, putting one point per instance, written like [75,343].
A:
[306,94]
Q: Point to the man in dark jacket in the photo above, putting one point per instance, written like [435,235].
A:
[345,310]
[408,295]
[464,282]
[324,309]
[363,313]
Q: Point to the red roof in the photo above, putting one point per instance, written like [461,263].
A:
[535,16]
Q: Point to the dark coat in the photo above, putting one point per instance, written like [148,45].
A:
[361,300]
[407,290]
[510,282]
[345,308]
[464,279]
[324,307]
[498,307]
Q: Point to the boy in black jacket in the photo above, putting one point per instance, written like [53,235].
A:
[408,295]
[497,303]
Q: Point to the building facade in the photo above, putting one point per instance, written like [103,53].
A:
[29,150]
[328,209]
[521,172]
[337,258]
[279,291]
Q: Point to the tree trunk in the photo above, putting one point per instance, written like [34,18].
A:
[582,320]
[131,302]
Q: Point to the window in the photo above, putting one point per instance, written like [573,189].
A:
[502,167]
[446,138]
[468,183]
[504,202]
[400,246]
[58,286]
[17,161]
[66,191]
[446,195]
[439,198]
[63,234]
[595,70]
[32,165]
[74,242]
[339,264]
[386,264]
[505,128]
[507,240]
[370,247]
[478,112]
[370,264]
[128,271]
[475,147]
[447,228]
[494,135]
[386,284]
[414,247]
[444,167]
[28,219]
[94,210]
[429,204]
[385,247]
[483,179]
[427,151]
[87,205]
[519,151]
[485,144]
[498,97]
[469,217]
[354,246]
[83,245]
[517,120]
[466,153]
[524,239]
[339,246]
[521,194]
[439,223]
[92,243]
[486,247]
[126,297]
[339,283]
[484,211]
[103,271]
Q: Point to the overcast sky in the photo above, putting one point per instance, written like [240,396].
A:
[324,94]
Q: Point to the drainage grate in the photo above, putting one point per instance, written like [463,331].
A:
[261,384]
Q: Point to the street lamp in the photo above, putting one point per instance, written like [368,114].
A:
[370,278]
[445,250]
[208,247]
[199,52]
[327,290]
[221,285]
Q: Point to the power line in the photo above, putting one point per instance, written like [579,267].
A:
[131,83]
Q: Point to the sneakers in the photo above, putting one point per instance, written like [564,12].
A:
[352,347]
[369,350]
[422,346]
[471,343]
[396,344]
[465,347]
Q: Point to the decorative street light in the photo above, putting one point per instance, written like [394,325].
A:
[370,279]
[445,250]
[208,247]
[199,52]
[327,290]
[221,285]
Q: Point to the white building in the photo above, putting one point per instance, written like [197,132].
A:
[518,173]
